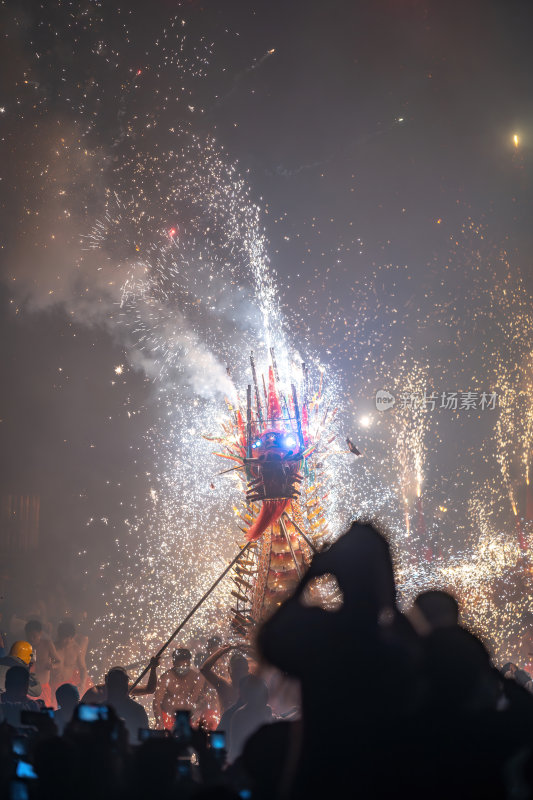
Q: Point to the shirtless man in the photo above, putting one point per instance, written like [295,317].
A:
[179,687]
[45,658]
[227,690]
[71,667]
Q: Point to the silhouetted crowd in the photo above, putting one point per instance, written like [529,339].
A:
[349,698]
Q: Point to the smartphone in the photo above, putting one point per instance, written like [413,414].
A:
[25,770]
[182,725]
[36,718]
[20,746]
[18,790]
[217,740]
[89,713]
[184,767]
[148,733]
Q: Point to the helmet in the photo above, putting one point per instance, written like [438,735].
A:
[22,650]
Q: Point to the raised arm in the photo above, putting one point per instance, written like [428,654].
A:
[158,699]
[150,687]
[82,667]
[53,654]
[208,672]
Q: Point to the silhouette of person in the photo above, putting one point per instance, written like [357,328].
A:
[68,698]
[253,713]
[133,714]
[356,666]
[435,609]
[15,698]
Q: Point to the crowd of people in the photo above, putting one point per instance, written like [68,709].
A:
[352,699]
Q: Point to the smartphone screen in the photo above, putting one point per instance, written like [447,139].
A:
[184,767]
[88,713]
[18,790]
[25,770]
[20,746]
[182,725]
[217,740]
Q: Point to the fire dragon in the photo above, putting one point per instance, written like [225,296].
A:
[278,443]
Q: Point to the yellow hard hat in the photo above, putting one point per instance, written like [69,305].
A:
[22,650]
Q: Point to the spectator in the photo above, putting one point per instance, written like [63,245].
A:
[357,668]
[15,698]
[68,698]
[254,713]
[133,714]
[434,609]
[266,758]
[154,772]
[227,716]
[45,657]
[227,691]
[462,693]
[20,655]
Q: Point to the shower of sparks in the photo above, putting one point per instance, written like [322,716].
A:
[197,294]
[175,262]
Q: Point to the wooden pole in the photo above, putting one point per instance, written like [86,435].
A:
[302,534]
[191,613]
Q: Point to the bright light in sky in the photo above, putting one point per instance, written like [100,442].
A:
[366,421]
[516,140]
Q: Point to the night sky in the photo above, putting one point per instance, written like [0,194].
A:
[372,135]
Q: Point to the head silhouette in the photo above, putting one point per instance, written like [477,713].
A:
[238,668]
[17,682]
[181,661]
[33,631]
[66,631]
[67,696]
[362,564]
[116,682]
[439,609]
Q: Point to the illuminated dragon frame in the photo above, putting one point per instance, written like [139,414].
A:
[278,445]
